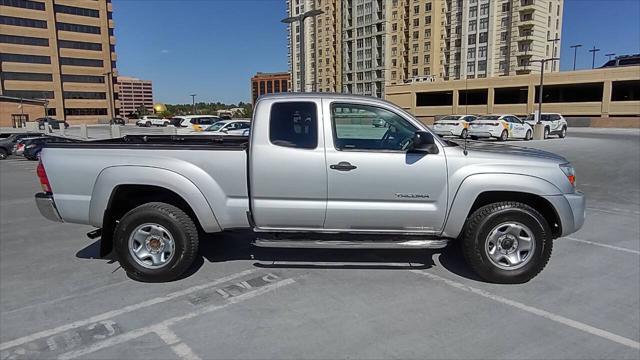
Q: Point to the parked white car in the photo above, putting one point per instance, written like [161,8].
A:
[554,124]
[228,127]
[501,127]
[192,123]
[149,120]
[453,125]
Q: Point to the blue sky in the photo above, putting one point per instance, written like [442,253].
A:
[213,47]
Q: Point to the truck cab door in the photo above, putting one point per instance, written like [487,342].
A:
[287,167]
[374,183]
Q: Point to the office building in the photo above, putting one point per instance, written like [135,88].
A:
[268,83]
[134,93]
[61,51]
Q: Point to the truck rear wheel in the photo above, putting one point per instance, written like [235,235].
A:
[156,242]
[507,242]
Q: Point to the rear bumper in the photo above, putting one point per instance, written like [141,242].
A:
[481,133]
[47,207]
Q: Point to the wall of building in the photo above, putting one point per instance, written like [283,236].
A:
[11,109]
[268,83]
[600,93]
[134,93]
[59,50]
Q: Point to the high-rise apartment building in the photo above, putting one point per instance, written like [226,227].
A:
[133,93]
[387,42]
[323,45]
[484,38]
[62,51]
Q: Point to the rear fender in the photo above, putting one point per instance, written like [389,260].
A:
[112,177]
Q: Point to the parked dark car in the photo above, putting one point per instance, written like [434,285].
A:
[117,121]
[55,123]
[31,147]
[8,142]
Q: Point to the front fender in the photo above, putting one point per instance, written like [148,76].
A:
[111,177]
[472,186]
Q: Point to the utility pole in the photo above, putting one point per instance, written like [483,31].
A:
[593,61]
[609,55]
[300,20]
[575,53]
[193,101]
[538,129]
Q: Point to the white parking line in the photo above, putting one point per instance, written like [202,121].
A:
[181,349]
[119,339]
[535,311]
[616,211]
[113,313]
[612,247]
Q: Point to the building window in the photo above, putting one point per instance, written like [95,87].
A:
[79,45]
[427,20]
[427,7]
[76,11]
[471,67]
[482,52]
[26,76]
[427,59]
[503,50]
[30,59]
[483,38]
[471,53]
[416,22]
[83,79]
[415,60]
[473,11]
[503,36]
[484,23]
[416,9]
[472,39]
[17,21]
[25,4]
[81,62]
[84,111]
[23,40]
[482,65]
[29,94]
[484,9]
[78,28]
[505,7]
[84,95]
[472,25]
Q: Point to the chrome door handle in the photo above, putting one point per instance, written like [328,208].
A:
[342,166]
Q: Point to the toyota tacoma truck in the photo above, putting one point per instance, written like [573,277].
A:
[314,173]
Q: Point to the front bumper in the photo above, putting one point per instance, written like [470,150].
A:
[571,210]
[47,207]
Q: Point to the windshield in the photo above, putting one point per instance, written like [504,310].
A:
[489,117]
[215,127]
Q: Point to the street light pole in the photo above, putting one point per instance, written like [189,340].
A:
[575,54]
[109,75]
[300,20]
[539,134]
[193,101]
[593,61]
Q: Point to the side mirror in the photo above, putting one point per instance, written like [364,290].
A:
[225,130]
[423,141]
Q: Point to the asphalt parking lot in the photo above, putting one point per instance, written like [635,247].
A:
[57,300]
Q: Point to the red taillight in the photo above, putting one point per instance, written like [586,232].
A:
[42,175]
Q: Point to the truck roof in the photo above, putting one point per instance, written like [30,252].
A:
[322,95]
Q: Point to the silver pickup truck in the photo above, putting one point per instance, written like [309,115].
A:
[315,172]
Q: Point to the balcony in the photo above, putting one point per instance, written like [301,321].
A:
[527,5]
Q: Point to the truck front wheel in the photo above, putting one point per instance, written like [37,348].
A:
[507,242]
[156,242]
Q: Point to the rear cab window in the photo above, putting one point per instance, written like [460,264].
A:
[294,124]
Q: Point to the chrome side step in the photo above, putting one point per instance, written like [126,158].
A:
[357,244]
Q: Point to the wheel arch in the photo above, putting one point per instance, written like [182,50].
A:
[483,189]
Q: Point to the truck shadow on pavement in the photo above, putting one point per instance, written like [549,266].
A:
[237,245]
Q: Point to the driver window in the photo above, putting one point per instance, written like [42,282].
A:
[365,127]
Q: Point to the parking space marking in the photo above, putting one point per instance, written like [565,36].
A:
[612,247]
[172,321]
[20,201]
[616,211]
[179,348]
[113,313]
[535,311]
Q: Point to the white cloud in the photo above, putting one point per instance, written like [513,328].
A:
[164,51]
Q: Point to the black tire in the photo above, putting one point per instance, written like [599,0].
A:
[147,124]
[179,225]
[528,136]
[472,137]
[546,132]
[480,224]
[563,132]
[464,134]
[504,136]
[3,154]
